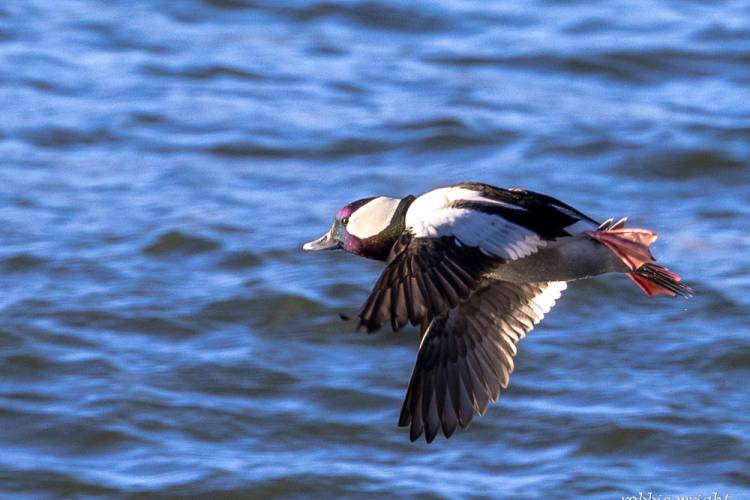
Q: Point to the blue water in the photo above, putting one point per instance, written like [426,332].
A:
[161,163]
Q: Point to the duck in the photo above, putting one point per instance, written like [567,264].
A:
[475,267]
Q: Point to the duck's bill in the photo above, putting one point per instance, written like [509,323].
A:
[325,242]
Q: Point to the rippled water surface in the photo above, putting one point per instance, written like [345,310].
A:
[161,163]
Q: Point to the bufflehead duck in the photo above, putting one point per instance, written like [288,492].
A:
[476,267]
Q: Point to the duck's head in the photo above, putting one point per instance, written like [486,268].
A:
[368,227]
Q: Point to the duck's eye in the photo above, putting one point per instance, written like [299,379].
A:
[345,221]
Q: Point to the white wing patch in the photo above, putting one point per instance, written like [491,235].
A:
[542,303]
[439,198]
[430,216]
[373,217]
[530,313]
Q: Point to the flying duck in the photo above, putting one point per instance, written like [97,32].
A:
[476,267]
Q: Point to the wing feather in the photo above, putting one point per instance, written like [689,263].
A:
[466,355]
[423,278]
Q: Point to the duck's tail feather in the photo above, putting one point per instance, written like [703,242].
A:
[654,279]
[631,245]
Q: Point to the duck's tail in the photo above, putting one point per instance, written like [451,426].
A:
[631,245]
[654,279]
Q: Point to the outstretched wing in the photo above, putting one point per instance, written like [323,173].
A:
[453,237]
[466,355]
[423,277]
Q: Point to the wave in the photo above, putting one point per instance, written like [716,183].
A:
[202,72]
[650,66]
[61,137]
[368,14]
[684,165]
[175,242]
[22,262]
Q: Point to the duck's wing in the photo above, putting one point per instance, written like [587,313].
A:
[453,237]
[423,277]
[551,211]
[466,355]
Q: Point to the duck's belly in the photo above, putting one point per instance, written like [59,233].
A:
[566,259]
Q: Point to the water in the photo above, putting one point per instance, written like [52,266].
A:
[162,162]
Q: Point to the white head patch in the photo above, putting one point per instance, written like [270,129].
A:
[373,217]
